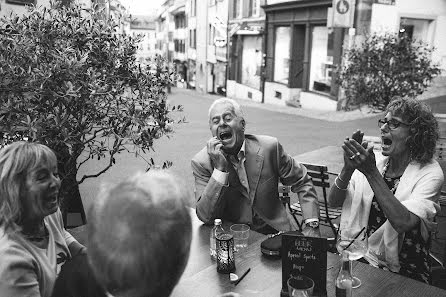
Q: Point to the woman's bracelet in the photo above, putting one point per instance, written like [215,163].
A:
[341,179]
[336,184]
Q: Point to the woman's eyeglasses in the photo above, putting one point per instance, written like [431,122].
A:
[392,123]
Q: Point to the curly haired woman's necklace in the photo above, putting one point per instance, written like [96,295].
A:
[396,179]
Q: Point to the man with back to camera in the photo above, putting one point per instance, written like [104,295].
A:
[236,177]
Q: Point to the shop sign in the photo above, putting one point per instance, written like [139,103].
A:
[343,13]
[220,41]
[386,2]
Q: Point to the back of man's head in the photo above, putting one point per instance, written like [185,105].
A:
[139,235]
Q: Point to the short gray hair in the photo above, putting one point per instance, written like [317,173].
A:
[228,101]
[139,235]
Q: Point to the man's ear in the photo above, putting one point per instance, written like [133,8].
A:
[243,124]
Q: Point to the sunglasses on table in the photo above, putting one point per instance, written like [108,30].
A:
[392,123]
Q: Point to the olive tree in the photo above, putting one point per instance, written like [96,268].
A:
[384,66]
[69,80]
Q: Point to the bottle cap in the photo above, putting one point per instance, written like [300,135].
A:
[217,222]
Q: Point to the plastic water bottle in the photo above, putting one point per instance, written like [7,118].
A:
[344,279]
[217,229]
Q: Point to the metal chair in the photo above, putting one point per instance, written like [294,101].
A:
[319,176]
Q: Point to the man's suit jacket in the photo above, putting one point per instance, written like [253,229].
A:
[266,163]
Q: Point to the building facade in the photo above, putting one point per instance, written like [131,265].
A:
[171,37]
[422,20]
[144,26]
[283,51]
[217,33]
[246,49]
[303,47]
[191,48]
[301,52]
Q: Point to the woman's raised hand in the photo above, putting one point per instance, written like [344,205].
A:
[359,154]
[348,155]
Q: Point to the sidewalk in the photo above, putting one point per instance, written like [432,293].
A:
[333,116]
[435,96]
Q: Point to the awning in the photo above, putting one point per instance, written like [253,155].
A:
[247,29]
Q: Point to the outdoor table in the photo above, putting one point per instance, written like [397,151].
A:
[200,277]
[330,156]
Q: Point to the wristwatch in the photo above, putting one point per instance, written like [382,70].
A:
[313,224]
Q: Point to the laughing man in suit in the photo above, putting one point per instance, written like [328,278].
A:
[237,174]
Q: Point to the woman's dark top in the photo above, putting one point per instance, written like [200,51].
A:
[414,254]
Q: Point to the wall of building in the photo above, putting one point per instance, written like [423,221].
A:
[146,47]
[239,91]
[202,41]
[276,93]
[388,17]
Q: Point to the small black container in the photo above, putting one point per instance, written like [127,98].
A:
[225,253]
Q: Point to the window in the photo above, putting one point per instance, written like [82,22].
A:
[237,9]
[182,46]
[282,54]
[193,38]
[251,61]
[180,21]
[179,46]
[211,35]
[321,65]
[193,8]
[417,29]
[254,8]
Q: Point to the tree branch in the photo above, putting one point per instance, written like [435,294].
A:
[116,146]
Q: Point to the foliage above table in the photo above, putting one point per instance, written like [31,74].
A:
[69,79]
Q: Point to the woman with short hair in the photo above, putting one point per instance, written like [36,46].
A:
[394,195]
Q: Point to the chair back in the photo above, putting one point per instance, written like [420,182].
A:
[319,176]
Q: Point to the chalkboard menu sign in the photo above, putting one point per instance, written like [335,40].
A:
[304,256]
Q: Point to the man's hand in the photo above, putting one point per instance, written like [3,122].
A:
[217,156]
[311,232]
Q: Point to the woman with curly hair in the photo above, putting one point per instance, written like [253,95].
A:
[394,195]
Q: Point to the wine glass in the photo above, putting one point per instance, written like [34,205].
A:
[355,242]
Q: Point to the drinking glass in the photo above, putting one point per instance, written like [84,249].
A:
[300,286]
[355,242]
[241,235]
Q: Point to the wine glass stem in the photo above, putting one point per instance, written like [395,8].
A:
[356,282]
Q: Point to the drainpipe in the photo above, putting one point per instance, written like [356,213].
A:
[263,66]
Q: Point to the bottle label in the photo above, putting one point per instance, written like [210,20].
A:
[341,292]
